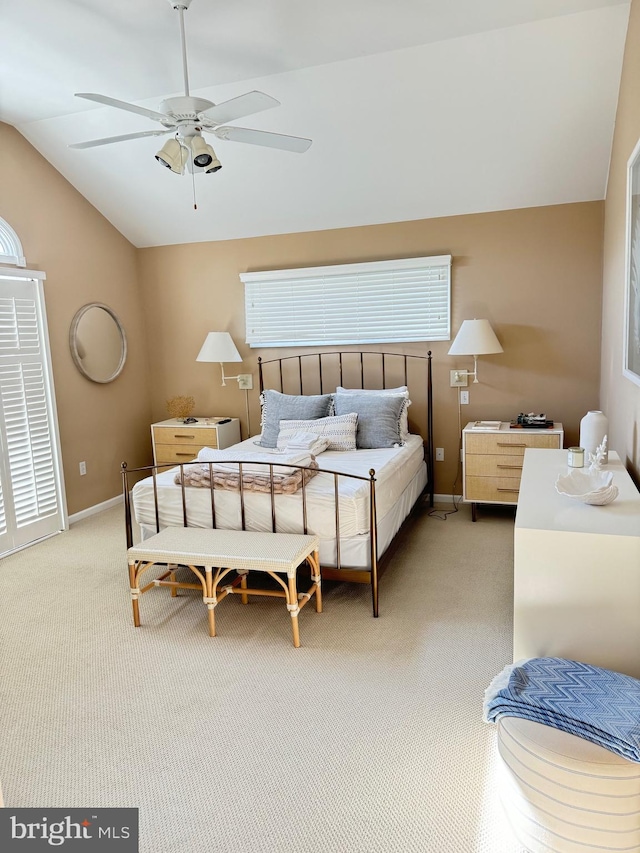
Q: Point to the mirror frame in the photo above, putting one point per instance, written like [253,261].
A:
[631,358]
[73,342]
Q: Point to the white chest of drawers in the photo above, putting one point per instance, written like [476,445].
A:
[492,461]
[174,441]
[576,569]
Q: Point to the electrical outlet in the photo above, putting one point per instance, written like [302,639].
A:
[458,378]
[464,398]
[439,454]
[245,381]
[83,468]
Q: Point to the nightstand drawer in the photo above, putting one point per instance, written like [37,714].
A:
[174,441]
[508,444]
[494,466]
[492,489]
[201,437]
[176,452]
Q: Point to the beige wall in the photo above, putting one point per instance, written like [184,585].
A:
[620,398]
[535,273]
[85,260]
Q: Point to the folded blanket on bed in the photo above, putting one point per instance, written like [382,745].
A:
[596,704]
[256,462]
[199,476]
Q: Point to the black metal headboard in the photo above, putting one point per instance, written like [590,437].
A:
[363,369]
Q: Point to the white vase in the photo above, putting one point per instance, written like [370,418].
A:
[593,428]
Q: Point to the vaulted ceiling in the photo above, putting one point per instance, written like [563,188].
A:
[416,108]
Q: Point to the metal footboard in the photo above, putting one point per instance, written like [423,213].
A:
[338,572]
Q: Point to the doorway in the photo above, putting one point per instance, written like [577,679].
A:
[32,502]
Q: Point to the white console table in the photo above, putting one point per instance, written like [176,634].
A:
[576,569]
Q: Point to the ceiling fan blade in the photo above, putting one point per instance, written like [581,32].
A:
[92,143]
[262,137]
[123,105]
[243,105]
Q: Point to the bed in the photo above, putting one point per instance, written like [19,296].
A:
[356,501]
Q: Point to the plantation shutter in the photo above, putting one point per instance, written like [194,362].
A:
[30,481]
[381,302]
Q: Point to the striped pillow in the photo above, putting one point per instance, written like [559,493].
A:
[340,430]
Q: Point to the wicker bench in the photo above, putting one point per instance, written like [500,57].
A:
[219,552]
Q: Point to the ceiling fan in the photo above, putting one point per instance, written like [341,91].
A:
[187,117]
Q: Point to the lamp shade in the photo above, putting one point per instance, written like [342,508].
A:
[218,346]
[475,337]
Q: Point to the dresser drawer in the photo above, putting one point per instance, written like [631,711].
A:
[508,444]
[201,437]
[492,489]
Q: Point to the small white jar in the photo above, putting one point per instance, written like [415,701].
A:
[575,458]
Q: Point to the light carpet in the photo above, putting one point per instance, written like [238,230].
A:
[368,738]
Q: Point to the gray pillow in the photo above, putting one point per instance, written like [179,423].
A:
[278,407]
[378,418]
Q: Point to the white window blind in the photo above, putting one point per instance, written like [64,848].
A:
[28,442]
[31,498]
[379,302]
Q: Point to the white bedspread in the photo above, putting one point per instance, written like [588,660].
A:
[395,469]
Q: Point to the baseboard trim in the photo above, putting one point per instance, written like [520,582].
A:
[94,510]
[447,498]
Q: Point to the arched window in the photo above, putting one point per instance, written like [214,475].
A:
[10,246]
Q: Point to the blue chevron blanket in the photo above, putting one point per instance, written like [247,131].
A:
[596,704]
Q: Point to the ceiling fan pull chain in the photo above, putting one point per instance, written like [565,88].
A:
[193,181]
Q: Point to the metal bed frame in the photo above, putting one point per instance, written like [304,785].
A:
[378,564]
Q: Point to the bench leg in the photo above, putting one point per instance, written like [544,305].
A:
[172,578]
[244,598]
[314,561]
[293,608]
[133,583]
[211,607]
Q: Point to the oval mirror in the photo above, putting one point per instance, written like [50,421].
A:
[98,342]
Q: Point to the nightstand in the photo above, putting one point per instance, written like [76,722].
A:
[492,460]
[175,441]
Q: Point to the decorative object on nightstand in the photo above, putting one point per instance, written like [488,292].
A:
[180,408]
[175,441]
[593,428]
[475,337]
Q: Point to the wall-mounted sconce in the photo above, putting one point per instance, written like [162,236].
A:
[475,337]
[219,346]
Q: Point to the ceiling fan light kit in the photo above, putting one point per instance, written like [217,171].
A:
[187,117]
[173,156]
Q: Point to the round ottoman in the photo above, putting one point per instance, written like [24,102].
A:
[564,794]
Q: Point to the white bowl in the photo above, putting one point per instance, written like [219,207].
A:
[590,487]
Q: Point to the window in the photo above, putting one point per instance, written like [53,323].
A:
[31,491]
[381,302]
[10,246]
